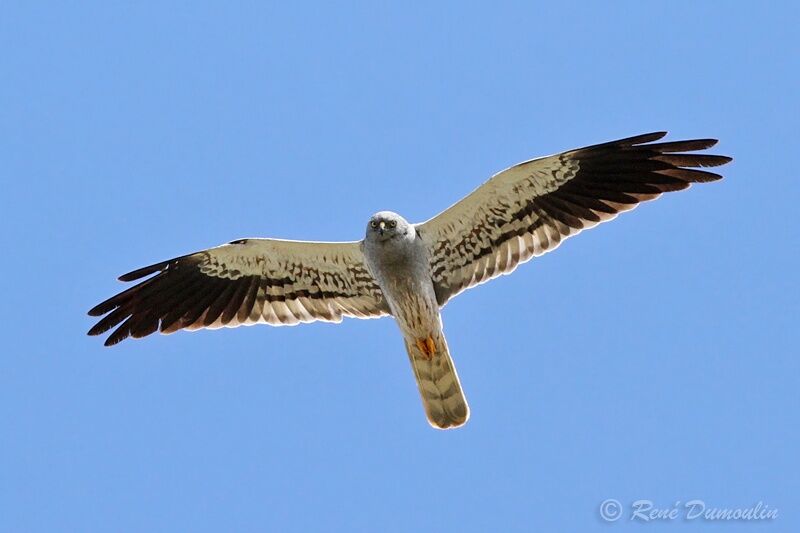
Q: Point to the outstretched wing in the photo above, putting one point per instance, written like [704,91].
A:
[528,209]
[249,281]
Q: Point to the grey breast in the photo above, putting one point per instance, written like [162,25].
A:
[402,270]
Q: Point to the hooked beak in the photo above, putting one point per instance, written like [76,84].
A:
[382,226]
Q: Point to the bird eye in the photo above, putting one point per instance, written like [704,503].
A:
[393,223]
[373,224]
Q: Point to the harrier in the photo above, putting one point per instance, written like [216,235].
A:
[408,271]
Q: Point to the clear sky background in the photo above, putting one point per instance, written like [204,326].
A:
[654,357]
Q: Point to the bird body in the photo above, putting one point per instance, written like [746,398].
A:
[408,271]
[399,261]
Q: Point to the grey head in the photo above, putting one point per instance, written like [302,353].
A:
[388,227]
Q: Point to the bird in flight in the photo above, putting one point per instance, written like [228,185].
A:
[408,271]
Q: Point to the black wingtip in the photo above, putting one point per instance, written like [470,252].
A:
[101,308]
[627,142]
[111,341]
[120,334]
[643,138]
[710,160]
[157,267]
[707,143]
[144,271]
[656,135]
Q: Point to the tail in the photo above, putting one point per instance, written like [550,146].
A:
[444,401]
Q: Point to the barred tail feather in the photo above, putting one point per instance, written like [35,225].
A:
[442,397]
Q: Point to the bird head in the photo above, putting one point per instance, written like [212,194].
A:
[386,225]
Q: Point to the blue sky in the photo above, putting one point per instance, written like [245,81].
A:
[654,357]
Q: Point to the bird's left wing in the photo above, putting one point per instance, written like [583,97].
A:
[245,282]
[528,209]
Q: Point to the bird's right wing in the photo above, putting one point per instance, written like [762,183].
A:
[249,281]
